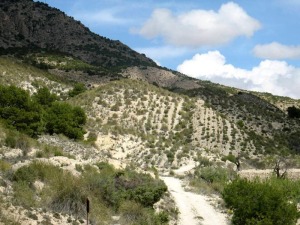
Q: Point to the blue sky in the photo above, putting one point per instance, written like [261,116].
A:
[252,45]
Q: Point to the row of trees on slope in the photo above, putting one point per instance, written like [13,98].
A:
[40,113]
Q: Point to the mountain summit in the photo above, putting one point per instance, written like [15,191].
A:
[28,24]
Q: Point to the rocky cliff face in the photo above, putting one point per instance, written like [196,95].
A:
[28,24]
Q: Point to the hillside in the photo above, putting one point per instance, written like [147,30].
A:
[181,125]
[139,121]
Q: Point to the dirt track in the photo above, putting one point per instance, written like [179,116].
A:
[194,209]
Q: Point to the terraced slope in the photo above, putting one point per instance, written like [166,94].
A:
[159,121]
[165,129]
[266,127]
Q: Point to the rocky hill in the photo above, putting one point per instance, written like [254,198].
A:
[27,24]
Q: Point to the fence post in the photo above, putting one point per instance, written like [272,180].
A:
[87,210]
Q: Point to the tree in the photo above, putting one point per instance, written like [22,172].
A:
[280,168]
[238,163]
[62,118]
[18,110]
[44,97]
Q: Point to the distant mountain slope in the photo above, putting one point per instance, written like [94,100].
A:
[27,24]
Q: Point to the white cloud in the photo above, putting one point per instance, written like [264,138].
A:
[200,27]
[162,52]
[276,50]
[272,76]
[106,16]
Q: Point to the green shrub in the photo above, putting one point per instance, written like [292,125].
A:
[4,165]
[67,194]
[14,139]
[229,157]
[36,171]
[213,174]
[78,89]
[203,161]
[62,118]
[120,191]
[131,211]
[30,116]
[134,213]
[50,151]
[44,97]
[214,178]
[10,140]
[23,194]
[260,202]
[240,123]
[18,110]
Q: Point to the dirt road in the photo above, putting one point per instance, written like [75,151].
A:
[194,209]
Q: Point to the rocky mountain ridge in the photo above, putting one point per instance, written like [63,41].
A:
[26,24]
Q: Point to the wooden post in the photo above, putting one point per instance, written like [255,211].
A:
[87,210]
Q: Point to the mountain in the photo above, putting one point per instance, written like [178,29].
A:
[139,117]
[27,24]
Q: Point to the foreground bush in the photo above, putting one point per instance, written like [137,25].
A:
[110,191]
[270,202]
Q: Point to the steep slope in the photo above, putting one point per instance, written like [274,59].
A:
[41,35]
[156,123]
[14,72]
[26,24]
[268,127]
[140,123]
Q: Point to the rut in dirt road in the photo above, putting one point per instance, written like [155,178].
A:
[194,209]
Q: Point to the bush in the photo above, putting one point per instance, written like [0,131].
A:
[257,202]
[4,166]
[62,118]
[18,110]
[30,116]
[15,139]
[134,213]
[212,178]
[78,89]
[44,97]
[120,191]
[23,194]
[213,174]
[229,157]
[67,195]
[62,192]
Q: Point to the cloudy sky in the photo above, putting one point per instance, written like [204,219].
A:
[253,45]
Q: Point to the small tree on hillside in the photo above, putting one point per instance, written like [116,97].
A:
[280,168]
